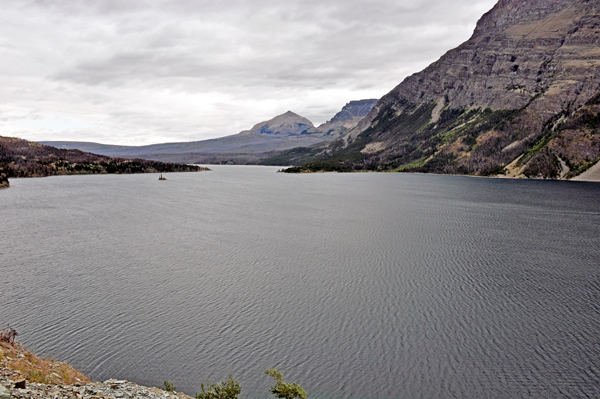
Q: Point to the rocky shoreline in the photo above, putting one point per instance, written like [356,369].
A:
[110,389]
[21,371]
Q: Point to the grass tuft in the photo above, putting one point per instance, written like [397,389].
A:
[38,369]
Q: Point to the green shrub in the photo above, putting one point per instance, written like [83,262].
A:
[169,386]
[228,389]
[285,390]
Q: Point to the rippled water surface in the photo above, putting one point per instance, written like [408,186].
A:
[353,285]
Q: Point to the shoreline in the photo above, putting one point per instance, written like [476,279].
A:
[578,178]
[23,375]
[7,185]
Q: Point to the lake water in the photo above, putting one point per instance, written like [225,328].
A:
[352,285]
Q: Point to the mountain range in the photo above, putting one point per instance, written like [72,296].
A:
[520,98]
[285,131]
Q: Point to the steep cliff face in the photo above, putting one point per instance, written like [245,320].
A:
[348,118]
[519,98]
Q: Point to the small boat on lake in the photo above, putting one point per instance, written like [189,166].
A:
[161,177]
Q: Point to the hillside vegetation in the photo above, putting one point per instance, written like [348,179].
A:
[520,98]
[22,158]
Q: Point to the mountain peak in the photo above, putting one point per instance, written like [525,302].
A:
[351,113]
[287,124]
[510,12]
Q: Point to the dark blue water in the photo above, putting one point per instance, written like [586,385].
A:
[353,285]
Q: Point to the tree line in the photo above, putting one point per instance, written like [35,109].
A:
[22,158]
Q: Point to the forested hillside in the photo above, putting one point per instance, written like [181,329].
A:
[22,158]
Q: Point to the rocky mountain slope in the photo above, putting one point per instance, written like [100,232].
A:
[285,131]
[22,158]
[347,119]
[519,98]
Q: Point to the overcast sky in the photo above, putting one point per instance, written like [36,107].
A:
[138,72]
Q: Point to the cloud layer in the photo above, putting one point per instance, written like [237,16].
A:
[139,72]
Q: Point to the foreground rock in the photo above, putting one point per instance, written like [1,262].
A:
[23,375]
[110,389]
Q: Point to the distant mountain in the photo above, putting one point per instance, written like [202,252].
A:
[83,146]
[22,158]
[285,125]
[285,131]
[520,98]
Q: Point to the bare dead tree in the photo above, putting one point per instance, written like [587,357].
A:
[8,335]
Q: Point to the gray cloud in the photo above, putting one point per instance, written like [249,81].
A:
[139,72]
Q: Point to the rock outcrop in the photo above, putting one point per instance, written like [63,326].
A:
[110,389]
[4,179]
[520,97]
[347,119]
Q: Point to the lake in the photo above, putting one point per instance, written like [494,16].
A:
[359,285]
